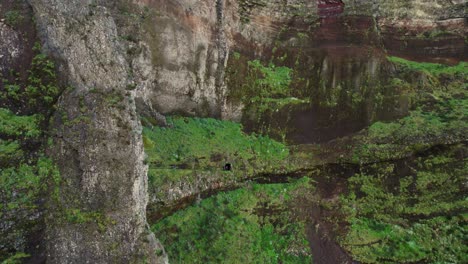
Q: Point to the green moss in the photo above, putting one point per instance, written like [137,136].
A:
[206,142]
[13,18]
[157,177]
[432,68]
[16,258]
[78,216]
[439,240]
[274,80]
[411,212]
[114,99]
[262,81]
[39,92]
[12,125]
[242,226]
[439,123]
[9,151]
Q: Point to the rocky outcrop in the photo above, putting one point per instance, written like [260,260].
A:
[97,214]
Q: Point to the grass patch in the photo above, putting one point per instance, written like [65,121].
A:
[438,240]
[242,226]
[411,212]
[207,142]
[441,122]
[432,68]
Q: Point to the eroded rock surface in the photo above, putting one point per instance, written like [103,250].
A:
[98,214]
[184,42]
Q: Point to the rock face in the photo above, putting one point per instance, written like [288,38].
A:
[17,35]
[98,214]
[337,47]
[10,47]
[184,43]
[157,57]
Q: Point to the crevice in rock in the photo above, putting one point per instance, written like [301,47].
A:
[223,51]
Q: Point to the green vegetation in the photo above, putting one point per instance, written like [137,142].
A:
[21,186]
[431,68]
[446,123]
[414,216]
[206,142]
[265,90]
[13,18]
[39,92]
[408,204]
[16,258]
[437,240]
[269,87]
[26,174]
[262,82]
[12,125]
[439,117]
[274,80]
[249,225]
[78,216]
[191,147]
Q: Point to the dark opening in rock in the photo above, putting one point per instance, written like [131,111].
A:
[227,167]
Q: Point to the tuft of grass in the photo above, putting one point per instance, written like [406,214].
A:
[13,18]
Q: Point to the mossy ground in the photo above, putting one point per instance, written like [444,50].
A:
[206,144]
[405,203]
[431,68]
[249,225]
[408,202]
[409,211]
[438,115]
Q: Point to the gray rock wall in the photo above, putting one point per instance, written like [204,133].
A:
[98,215]
[179,67]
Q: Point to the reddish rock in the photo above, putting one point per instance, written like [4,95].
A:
[330,8]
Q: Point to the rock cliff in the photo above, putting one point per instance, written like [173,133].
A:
[188,53]
[120,63]
[98,214]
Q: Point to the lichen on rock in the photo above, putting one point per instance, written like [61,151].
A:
[97,144]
